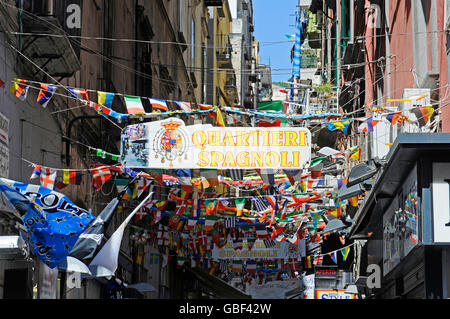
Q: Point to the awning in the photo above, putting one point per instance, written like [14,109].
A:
[407,149]
[218,287]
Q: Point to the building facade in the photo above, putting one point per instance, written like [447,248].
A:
[150,49]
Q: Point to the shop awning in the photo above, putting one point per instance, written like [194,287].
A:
[402,157]
[218,287]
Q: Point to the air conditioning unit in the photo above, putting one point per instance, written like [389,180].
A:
[12,246]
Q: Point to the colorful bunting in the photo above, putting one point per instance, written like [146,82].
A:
[158,104]
[105,98]
[134,104]
[45,94]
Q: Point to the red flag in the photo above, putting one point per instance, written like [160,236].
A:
[99,177]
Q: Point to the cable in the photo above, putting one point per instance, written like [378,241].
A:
[204,45]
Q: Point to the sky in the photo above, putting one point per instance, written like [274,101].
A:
[272,20]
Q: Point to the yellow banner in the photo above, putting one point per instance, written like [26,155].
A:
[171,144]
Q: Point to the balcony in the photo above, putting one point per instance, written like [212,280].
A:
[52,53]
[224,55]
[213,3]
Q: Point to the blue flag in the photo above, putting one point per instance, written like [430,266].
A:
[54,222]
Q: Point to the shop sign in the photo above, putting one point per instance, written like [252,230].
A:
[169,144]
[401,223]
[441,202]
[333,294]
[325,272]
[260,251]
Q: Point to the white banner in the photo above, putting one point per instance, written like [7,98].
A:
[170,144]
[309,286]
[48,281]
[4,161]
[281,250]
[4,129]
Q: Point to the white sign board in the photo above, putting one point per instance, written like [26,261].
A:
[4,129]
[309,286]
[48,281]
[169,144]
[441,202]
[333,294]
[4,161]
[259,251]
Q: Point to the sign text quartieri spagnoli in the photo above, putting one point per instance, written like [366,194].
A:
[171,144]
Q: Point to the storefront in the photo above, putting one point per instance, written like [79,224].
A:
[404,222]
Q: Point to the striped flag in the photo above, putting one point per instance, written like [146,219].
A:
[19,88]
[105,98]
[159,104]
[237,244]
[81,94]
[236,174]
[267,175]
[134,104]
[354,201]
[185,106]
[268,243]
[251,267]
[240,203]
[71,176]
[230,222]
[236,266]
[307,262]
[36,171]
[45,94]
[191,224]
[184,177]
[313,183]
[261,232]
[223,265]
[260,204]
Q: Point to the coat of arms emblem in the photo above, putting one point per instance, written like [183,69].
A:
[171,142]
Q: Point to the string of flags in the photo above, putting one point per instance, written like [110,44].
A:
[135,106]
[191,226]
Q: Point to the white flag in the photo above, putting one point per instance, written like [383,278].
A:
[106,261]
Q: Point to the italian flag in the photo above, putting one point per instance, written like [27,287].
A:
[240,203]
[134,104]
